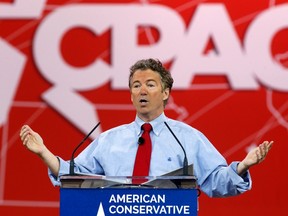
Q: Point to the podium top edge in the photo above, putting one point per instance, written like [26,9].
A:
[147,178]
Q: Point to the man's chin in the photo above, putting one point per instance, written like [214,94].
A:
[143,111]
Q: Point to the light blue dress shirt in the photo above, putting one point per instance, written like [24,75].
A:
[113,154]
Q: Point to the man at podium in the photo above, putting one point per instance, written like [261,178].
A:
[153,144]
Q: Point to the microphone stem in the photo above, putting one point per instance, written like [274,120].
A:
[71,171]
[185,161]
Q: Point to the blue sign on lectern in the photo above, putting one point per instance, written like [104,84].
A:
[127,201]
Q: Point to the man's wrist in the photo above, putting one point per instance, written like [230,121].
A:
[242,168]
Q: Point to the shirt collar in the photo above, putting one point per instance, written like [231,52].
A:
[157,124]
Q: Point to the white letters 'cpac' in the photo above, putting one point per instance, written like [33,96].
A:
[245,67]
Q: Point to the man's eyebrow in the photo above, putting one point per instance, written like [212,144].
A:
[136,81]
[149,80]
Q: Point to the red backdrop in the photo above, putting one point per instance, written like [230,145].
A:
[63,67]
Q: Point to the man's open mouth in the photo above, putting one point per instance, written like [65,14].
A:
[143,101]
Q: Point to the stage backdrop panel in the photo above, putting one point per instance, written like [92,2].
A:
[64,66]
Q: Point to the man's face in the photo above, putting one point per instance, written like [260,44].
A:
[147,94]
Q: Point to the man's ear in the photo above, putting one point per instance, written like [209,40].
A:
[131,98]
[166,94]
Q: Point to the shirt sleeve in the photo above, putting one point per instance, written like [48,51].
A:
[215,177]
[244,182]
[63,169]
[225,181]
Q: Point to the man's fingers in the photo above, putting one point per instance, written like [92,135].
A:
[25,134]
[263,150]
[270,144]
[25,130]
[259,154]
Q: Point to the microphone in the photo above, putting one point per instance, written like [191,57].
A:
[71,171]
[141,140]
[185,161]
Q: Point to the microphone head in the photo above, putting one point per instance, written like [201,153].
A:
[141,140]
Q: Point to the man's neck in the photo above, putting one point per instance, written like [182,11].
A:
[147,117]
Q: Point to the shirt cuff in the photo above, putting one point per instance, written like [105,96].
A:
[244,182]
[63,170]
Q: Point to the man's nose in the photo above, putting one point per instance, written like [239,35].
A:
[143,89]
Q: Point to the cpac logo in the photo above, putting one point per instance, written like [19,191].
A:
[246,66]
[243,66]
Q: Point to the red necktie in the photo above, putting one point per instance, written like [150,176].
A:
[143,156]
